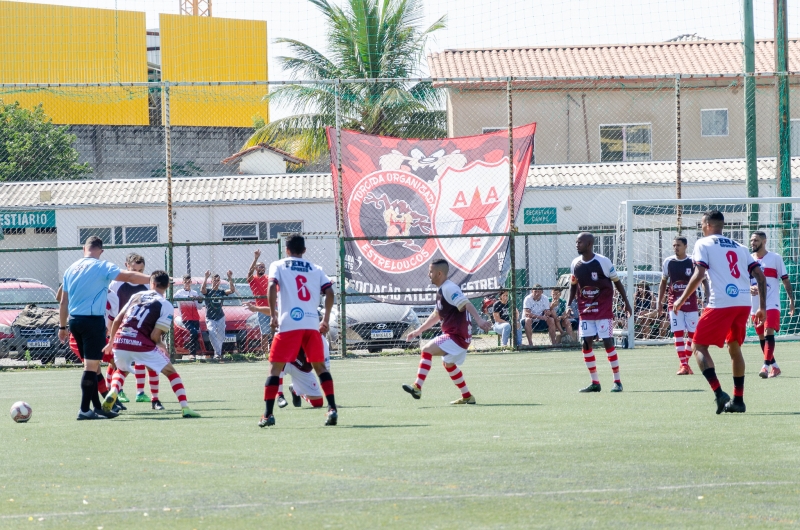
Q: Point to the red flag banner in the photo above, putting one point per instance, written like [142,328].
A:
[396,187]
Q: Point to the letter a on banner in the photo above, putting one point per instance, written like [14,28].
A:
[396,191]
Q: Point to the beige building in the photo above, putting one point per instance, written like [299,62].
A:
[628,114]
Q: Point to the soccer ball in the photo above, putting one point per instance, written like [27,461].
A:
[21,412]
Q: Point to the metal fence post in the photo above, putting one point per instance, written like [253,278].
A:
[340,191]
[678,154]
[512,229]
[168,171]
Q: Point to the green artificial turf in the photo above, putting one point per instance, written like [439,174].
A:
[532,453]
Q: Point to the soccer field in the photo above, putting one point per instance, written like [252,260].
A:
[532,453]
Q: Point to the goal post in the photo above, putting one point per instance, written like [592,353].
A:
[645,232]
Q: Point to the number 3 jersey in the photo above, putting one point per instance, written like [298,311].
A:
[143,313]
[300,284]
[729,265]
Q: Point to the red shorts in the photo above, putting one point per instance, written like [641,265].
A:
[718,325]
[773,321]
[286,346]
[73,345]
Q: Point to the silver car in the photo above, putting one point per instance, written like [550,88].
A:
[373,325]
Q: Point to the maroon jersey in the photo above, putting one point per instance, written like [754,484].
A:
[678,273]
[594,279]
[450,305]
[145,312]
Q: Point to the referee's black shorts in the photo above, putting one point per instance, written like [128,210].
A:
[90,335]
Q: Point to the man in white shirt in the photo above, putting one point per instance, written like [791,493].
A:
[536,315]
[188,301]
[724,320]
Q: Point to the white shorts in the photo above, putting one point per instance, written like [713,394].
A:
[604,329]
[455,354]
[303,383]
[156,359]
[683,321]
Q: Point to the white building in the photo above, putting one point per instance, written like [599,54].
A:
[263,159]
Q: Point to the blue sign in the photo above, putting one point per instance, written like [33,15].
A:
[540,216]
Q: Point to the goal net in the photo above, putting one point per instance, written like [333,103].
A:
[645,233]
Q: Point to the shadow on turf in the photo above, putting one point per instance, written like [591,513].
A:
[773,414]
[490,405]
[382,426]
[662,391]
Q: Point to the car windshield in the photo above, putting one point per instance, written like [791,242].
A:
[27,296]
[243,291]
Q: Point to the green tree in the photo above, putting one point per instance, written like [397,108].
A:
[33,148]
[367,39]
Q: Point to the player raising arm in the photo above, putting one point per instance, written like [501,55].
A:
[724,320]
[454,310]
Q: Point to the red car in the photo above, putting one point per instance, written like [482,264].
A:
[239,336]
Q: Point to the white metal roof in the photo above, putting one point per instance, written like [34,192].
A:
[317,187]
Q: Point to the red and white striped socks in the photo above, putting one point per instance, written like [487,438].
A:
[425,362]
[688,347]
[177,387]
[153,375]
[139,373]
[458,379]
[680,348]
[612,358]
[117,380]
[109,375]
[588,358]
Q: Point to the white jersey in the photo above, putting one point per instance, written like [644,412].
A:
[775,270]
[729,265]
[300,284]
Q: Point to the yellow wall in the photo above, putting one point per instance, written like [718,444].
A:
[214,49]
[55,44]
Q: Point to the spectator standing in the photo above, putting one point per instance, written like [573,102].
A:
[259,283]
[215,316]
[189,306]
[83,303]
[536,315]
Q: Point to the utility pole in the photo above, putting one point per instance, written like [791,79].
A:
[783,174]
[749,48]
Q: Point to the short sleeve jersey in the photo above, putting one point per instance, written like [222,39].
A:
[119,293]
[775,270]
[214,304]
[500,307]
[729,265]
[561,307]
[537,307]
[300,284]
[190,309]
[451,306]
[678,272]
[259,286]
[594,279]
[86,284]
[144,312]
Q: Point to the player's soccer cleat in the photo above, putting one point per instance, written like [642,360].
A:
[267,421]
[684,370]
[464,401]
[297,401]
[122,397]
[89,415]
[117,407]
[774,371]
[594,387]
[722,398]
[109,401]
[732,406]
[689,368]
[617,387]
[156,405]
[109,415]
[332,417]
[186,412]
[142,398]
[281,401]
[414,390]
[763,374]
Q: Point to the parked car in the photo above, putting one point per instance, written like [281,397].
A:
[373,325]
[41,342]
[239,336]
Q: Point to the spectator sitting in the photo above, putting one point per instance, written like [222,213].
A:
[646,310]
[502,320]
[536,315]
[558,310]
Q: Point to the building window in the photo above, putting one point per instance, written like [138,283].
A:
[794,141]
[122,235]
[13,231]
[259,231]
[626,142]
[714,122]
[45,230]
[275,229]
[604,244]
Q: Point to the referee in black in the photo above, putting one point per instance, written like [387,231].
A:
[84,303]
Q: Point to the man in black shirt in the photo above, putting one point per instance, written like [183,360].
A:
[502,322]
[215,316]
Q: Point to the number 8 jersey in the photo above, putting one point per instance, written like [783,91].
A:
[300,284]
[729,265]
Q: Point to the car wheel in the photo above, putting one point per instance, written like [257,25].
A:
[374,349]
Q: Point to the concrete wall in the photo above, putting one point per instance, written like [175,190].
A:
[138,152]
[263,162]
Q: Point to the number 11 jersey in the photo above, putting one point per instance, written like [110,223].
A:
[729,265]
[300,284]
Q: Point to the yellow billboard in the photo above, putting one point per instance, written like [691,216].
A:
[58,44]
[214,49]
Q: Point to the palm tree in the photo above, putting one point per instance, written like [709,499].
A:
[367,39]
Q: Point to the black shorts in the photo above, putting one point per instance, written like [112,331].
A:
[90,335]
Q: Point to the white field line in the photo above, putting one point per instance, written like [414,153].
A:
[429,498]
